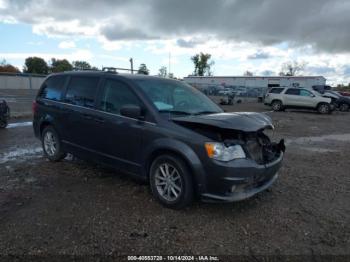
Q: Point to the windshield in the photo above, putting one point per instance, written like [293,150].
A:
[175,97]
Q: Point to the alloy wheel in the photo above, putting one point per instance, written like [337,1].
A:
[324,109]
[50,143]
[344,107]
[276,106]
[168,182]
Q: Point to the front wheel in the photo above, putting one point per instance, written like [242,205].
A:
[171,181]
[324,108]
[344,107]
[52,144]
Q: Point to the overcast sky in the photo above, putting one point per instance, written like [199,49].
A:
[254,35]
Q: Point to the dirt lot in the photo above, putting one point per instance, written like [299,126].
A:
[75,208]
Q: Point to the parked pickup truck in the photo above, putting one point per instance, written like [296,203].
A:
[280,98]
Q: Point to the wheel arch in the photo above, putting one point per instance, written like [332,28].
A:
[43,125]
[276,100]
[180,150]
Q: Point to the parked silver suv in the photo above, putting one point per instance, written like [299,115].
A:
[280,98]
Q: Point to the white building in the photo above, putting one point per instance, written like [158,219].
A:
[20,81]
[252,85]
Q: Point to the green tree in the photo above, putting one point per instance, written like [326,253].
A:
[35,65]
[8,68]
[143,69]
[81,65]
[58,65]
[202,64]
[163,72]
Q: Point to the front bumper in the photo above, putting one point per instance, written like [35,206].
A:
[245,176]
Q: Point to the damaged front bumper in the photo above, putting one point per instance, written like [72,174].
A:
[240,179]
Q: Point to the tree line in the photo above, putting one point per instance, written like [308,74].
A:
[202,63]
[37,65]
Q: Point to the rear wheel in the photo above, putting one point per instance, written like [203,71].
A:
[277,105]
[324,108]
[171,181]
[344,107]
[3,123]
[52,144]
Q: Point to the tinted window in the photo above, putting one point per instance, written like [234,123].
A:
[276,90]
[304,92]
[52,88]
[115,95]
[293,91]
[81,91]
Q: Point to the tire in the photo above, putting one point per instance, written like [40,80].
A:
[277,105]
[324,108]
[180,181]
[51,144]
[344,107]
[3,123]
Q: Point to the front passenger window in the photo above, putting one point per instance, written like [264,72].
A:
[305,93]
[116,95]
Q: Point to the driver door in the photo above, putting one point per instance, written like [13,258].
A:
[119,137]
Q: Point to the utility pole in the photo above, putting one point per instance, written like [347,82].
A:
[132,65]
[169,66]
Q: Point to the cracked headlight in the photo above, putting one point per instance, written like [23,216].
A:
[221,152]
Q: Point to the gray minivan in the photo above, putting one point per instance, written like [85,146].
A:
[160,130]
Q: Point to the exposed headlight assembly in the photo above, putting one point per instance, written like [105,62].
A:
[219,151]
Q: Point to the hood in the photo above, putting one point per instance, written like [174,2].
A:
[241,121]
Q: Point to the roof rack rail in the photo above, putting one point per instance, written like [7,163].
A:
[116,69]
[85,69]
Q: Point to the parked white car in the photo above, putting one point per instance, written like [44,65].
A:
[280,98]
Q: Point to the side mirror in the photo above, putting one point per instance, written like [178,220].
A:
[132,111]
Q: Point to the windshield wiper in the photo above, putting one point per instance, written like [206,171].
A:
[205,112]
[175,112]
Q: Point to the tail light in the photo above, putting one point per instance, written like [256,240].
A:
[34,107]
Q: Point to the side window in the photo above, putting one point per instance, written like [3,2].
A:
[304,92]
[52,88]
[82,91]
[293,91]
[115,95]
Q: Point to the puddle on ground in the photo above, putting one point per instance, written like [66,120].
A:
[19,124]
[19,154]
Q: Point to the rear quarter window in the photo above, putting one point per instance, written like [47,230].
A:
[293,91]
[52,88]
[276,90]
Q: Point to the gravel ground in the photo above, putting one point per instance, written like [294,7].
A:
[73,207]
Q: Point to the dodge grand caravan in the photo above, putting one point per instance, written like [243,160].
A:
[163,131]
